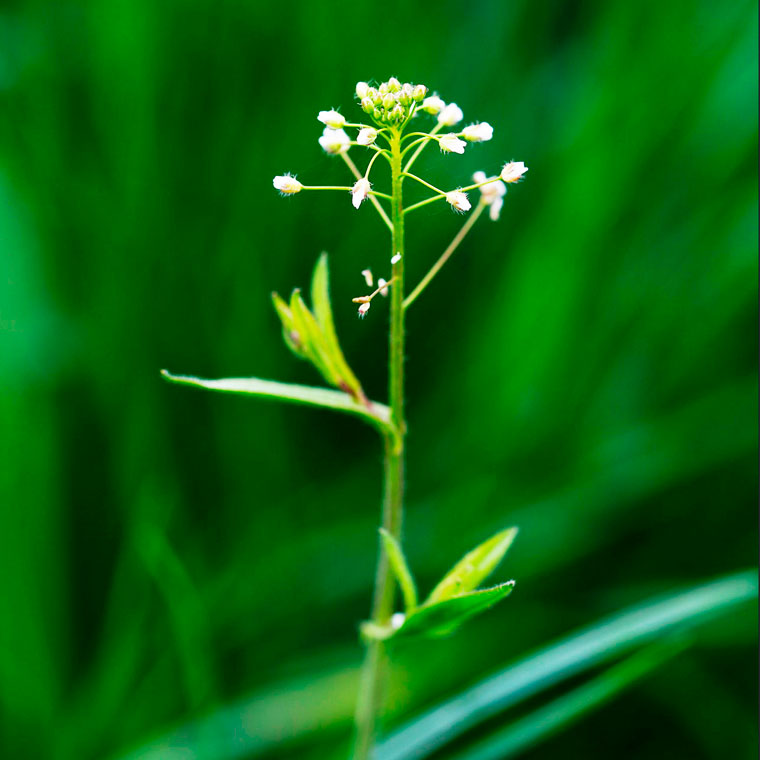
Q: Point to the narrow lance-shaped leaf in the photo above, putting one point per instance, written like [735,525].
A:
[291,336]
[441,618]
[320,299]
[400,569]
[314,341]
[377,414]
[474,567]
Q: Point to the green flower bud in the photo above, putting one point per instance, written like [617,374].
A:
[389,102]
[362,89]
[367,105]
[383,89]
[419,92]
[373,94]
[393,85]
[377,115]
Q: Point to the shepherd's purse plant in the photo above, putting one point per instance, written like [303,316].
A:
[396,131]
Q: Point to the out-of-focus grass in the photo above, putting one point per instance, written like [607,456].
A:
[585,368]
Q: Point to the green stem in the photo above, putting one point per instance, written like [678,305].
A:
[460,236]
[375,669]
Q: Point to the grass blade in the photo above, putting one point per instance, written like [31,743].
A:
[400,569]
[574,654]
[547,720]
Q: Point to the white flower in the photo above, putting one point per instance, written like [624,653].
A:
[333,119]
[458,200]
[433,104]
[491,194]
[513,171]
[478,132]
[334,141]
[450,143]
[366,136]
[367,275]
[381,283]
[363,309]
[396,259]
[362,88]
[287,185]
[360,192]
[450,115]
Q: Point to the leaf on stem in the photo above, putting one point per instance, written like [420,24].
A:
[312,336]
[400,569]
[474,567]
[377,414]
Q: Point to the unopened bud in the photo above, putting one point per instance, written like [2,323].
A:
[367,105]
[389,102]
[381,283]
[362,88]
[363,309]
[394,85]
[332,119]
[396,259]
[419,93]
[367,275]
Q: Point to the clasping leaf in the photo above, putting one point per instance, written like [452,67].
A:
[311,335]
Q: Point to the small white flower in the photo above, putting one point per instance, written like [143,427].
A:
[333,119]
[287,185]
[433,104]
[362,88]
[366,136]
[381,283]
[491,194]
[458,200]
[363,309]
[396,259]
[397,620]
[367,275]
[360,191]
[478,132]
[450,115]
[513,171]
[450,143]
[334,141]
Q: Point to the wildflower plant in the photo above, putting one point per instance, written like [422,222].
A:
[400,120]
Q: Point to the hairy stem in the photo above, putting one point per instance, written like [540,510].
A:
[375,669]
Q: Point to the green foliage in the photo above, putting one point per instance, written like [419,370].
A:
[585,369]
[474,567]
[312,336]
[400,570]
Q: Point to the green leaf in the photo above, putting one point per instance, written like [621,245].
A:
[442,618]
[313,339]
[556,715]
[474,567]
[606,639]
[377,414]
[290,335]
[320,299]
[400,569]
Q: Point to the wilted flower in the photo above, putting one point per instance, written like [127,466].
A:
[366,136]
[333,119]
[513,171]
[450,115]
[360,191]
[287,185]
[334,141]
[458,200]
[478,132]
[450,143]
[433,104]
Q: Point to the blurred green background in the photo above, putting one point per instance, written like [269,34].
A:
[585,368]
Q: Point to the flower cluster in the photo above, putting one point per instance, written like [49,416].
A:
[392,106]
[391,102]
